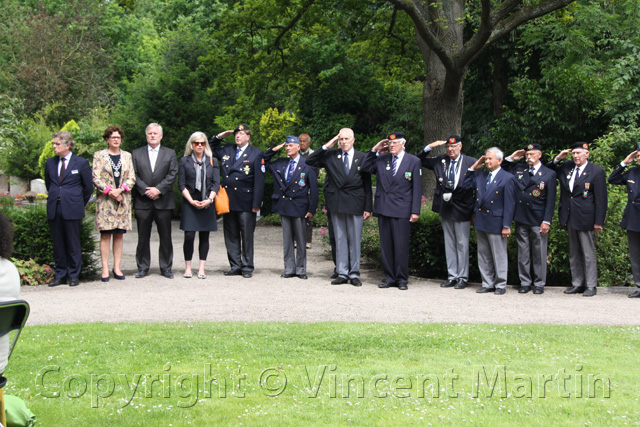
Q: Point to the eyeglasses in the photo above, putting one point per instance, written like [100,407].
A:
[198,143]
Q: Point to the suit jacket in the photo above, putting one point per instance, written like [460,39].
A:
[396,196]
[109,213]
[535,195]
[495,206]
[349,194]
[630,178]
[242,179]
[162,178]
[299,195]
[187,177]
[460,206]
[586,205]
[74,191]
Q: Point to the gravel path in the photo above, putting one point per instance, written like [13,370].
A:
[268,297]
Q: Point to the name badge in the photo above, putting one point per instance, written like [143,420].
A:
[75,171]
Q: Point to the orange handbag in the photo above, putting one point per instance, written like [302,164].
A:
[222,201]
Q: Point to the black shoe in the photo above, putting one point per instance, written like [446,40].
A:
[635,294]
[385,285]
[334,275]
[286,276]
[302,276]
[168,274]
[233,272]
[485,290]
[524,289]
[574,290]
[500,291]
[339,281]
[461,284]
[141,273]
[402,286]
[74,281]
[58,282]
[117,277]
[448,284]
[538,290]
[104,279]
[589,292]
[247,274]
[356,282]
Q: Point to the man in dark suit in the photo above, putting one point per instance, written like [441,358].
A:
[495,206]
[535,204]
[583,208]
[242,175]
[454,204]
[631,216]
[295,198]
[397,204]
[305,151]
[156,169]
[70,184]
[347,193]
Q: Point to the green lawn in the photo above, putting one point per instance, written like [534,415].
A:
[268,374]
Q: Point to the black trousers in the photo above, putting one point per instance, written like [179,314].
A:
[66,245]
[145,219]
[394,245]
[238,238]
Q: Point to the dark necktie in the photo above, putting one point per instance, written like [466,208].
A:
[488,181]
[238,151]
[346,163]
[452,170]
[62,169]
[292,168]
[395,165]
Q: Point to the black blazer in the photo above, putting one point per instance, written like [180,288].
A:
[630,178]
[349,194]
[187,177]
[162,178]
[74,191]
[535,195]
[460,206]
[586,205]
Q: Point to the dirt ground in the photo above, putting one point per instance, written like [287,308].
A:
[268,297]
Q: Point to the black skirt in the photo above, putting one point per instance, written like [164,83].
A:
[194,219]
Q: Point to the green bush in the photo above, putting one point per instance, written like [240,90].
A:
[32,238]
[32,273]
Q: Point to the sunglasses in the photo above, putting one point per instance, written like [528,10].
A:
[199,143]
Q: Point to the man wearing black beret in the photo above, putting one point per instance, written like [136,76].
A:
[582,209]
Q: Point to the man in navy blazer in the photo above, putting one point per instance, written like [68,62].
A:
[454,203]
[495,207]
[156,168]
[242,176]
[397,204]
[70,185]
[631,216]
[295,198]
[535,204]
[583,208]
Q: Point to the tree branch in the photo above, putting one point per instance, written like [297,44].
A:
[292,23]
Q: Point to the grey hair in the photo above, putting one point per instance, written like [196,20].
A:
[65,138]
[496,151]
[153,125]
[188,149]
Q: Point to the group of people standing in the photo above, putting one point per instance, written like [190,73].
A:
[492,197]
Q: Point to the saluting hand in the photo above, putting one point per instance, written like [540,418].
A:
[278,147]
[381,147]
[435,144]
[478,164]
[563,154]
[332,142]
[517,155]
[223,135]
[629,159]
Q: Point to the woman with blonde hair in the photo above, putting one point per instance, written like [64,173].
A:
[199,181]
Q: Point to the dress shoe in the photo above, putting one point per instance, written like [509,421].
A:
[334,275]
[538,290]
[339,281]
[74,281]
[589,292]
[233,272]
[461,284]
[448,284]
[58,282]
[141,273]
[302,276]
[402,286]
[500,291]
[524,289]
[385,285]
[168,274]
[574,290]
[635,294]
[356,282]
[286,276]
[485,290]
[247,274]
[104,279]
[202,276]
[117,276]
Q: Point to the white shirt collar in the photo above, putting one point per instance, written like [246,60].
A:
[150,148]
